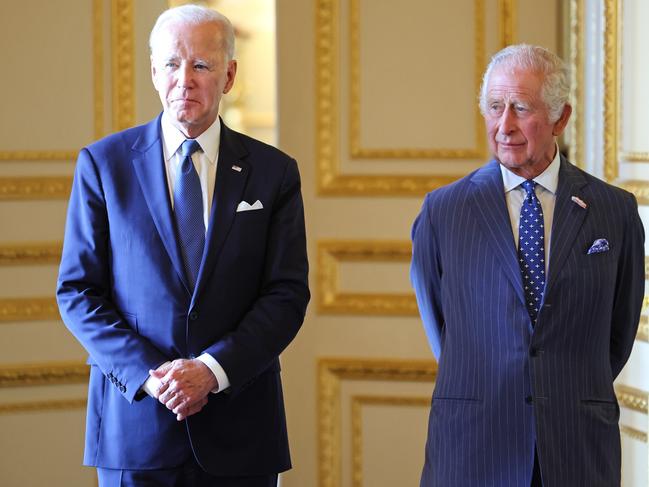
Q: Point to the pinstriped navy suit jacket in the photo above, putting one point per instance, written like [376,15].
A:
[503,386]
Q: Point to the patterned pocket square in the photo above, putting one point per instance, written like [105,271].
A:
[245,206]
[599,245]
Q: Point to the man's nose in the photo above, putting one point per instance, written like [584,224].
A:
[507,121]
[185,75]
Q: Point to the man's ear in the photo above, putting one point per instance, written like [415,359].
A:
[560,125]
[232,73]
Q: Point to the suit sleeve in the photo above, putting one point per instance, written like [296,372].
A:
[629,291]
[84,288]
[425,275]
[277,314]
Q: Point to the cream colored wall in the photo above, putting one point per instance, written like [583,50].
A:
[377,101]
[374,124]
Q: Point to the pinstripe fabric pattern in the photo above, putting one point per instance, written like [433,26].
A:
[502,385]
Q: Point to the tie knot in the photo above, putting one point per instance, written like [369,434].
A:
[189,147]
[529,185]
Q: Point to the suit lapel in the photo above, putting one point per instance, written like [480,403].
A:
[567,220]
[490,209]
[228,192]
[150,169]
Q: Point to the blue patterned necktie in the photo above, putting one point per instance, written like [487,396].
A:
[531,250]
[188,210]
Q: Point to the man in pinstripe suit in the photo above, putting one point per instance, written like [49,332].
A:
[524,393]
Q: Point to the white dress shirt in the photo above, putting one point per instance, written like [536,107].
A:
[546,192]
[205,161]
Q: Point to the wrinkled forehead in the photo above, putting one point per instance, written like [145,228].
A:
[178,38]
[517,84]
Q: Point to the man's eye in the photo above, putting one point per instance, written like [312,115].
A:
[200,67]
[171,65]
[496,107]
[520,108]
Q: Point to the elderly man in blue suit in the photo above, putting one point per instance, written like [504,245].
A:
[184,276]
[529,276]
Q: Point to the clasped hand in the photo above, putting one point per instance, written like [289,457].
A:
[184,386]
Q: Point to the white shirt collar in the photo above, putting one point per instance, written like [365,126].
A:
[548,179]
[172,138]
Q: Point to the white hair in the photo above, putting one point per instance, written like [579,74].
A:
[195,14]
[555,90]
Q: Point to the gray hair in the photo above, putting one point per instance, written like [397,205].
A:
[555,90]
[195,14]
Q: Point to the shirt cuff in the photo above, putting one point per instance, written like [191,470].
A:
[217,370]
[152,383]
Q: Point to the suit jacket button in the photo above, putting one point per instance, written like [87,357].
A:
[529,400]
[193,316]
[122,388]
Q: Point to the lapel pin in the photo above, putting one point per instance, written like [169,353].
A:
[236,168]
[579,201]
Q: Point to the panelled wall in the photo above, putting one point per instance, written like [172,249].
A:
[74,71]
[378,102]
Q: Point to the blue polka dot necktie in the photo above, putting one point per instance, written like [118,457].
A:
[531,250]
[188,211]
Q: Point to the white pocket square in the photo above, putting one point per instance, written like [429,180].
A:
[245,206]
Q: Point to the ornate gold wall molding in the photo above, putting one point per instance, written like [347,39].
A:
[44,374]
[357,424]
[123,61]
[359,152]
[38,155]
[576,127]
[98,65]
[41,188]
[331,372]
[635,156]
[28,309]
[643,329]
[634,433]
[40,406]
[30,253]
[330,181]
[508,19]
[632,398]
[611,88]
[332,301]
[640,189]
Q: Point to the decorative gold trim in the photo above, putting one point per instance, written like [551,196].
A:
[331,372]
[646,267]
[44,374]
[41,188]
[329,179]
[632,398]
[357,425]
[640,189]
[507,22]
[123,60]
[333,301]
[98,65]
[30,253]
[633,433]
[635,156]
[38,406]
[359,152]
[38,155]
[611,88]
[576,149]
[643,329]
[28,309]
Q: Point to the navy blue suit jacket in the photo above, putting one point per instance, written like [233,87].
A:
[502,386]
[122,292]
